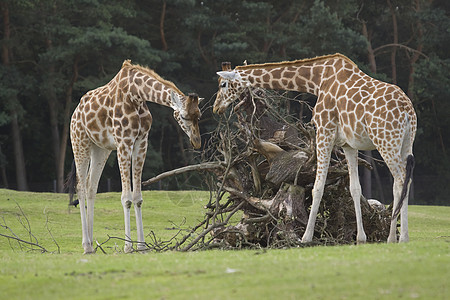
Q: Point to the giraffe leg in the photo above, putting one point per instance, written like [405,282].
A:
[398,171]
[139,153]
[399,179]
[98,160]
[323,150]
[355,190]
[81,156]
[397,189]
[404,235]
[124,159]
[409,167]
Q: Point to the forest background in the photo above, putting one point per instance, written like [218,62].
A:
[54,51]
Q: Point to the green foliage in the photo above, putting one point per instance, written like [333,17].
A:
[323,33]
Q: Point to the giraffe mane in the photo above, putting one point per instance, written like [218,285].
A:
[294,62]
[127,64]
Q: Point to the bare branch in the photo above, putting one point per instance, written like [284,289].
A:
[25,242]
[198,167]
[401,46]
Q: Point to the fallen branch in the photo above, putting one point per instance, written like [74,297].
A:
[43,250]
[198,167]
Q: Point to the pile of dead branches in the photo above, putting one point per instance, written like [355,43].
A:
[261,167]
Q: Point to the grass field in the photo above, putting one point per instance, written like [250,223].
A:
[417,270]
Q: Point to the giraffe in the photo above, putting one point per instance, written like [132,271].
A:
[115,117]
[353,111]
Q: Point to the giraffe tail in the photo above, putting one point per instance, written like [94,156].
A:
[409,170]
[71,183]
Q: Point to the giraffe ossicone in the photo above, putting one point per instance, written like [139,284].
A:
[116,117]
[353,111]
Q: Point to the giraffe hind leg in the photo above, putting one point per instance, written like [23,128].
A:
[403,202]
[97,163]
[82,166]
[355,190]
[397,169]
[392,238]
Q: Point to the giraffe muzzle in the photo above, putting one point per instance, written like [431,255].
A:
[219,109]
[196,142]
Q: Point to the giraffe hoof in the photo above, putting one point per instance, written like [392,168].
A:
[404,239]
[307,236]
[306,240]
[361,239]
[88,249]
[128,248]
[142,247]
[392,240]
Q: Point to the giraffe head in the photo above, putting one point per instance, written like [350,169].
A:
[187,114]
[231,86]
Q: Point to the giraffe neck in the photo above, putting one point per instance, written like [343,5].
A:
[304,76]
[145,85]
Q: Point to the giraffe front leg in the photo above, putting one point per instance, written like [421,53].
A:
[139,153]
[317,193]
[139,225]
[324,147]
[126,203]
[124,159]
[137,201]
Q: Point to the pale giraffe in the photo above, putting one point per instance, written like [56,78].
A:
[353,111]
[116,117]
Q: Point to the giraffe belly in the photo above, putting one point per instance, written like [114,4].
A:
[360,141]
[104,140]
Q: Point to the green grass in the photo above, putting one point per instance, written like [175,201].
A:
[417,270]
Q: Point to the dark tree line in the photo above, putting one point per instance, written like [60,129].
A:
[53,51]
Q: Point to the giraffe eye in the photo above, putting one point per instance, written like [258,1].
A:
[223,84]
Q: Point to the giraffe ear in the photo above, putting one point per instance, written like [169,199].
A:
[229,75]
[176,101]
[200,99]
[226,66]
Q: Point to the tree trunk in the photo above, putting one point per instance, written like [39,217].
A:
[21,174]
[412,62]
[370,52]
[393,49]
[52,100]
[161,27]
[19,158]
[415,56]
[65,130]
[3,170]
[59,140]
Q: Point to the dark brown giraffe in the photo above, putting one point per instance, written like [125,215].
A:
[116,117]
[353,111]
